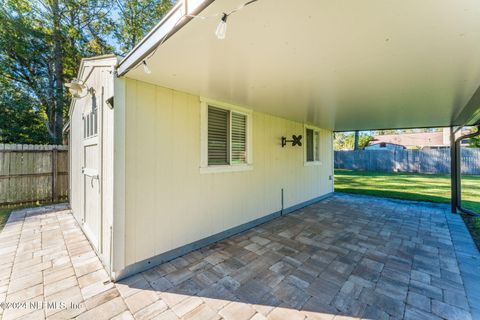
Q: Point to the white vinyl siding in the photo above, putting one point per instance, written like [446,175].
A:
[171,201]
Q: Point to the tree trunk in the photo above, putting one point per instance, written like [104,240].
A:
[356,141]
[58,74]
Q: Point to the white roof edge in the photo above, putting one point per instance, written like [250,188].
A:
[173,21]
[101,57]
[97,61]
[92,61]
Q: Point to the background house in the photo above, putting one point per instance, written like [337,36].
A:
[384,146]
[417,140]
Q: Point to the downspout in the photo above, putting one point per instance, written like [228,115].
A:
[456,172]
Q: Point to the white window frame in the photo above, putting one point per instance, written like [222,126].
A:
[86,125]
[315,129]
[204,167]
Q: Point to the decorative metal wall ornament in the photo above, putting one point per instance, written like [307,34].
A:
[296,141]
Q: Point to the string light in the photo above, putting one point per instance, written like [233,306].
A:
[146,69]
[220,31]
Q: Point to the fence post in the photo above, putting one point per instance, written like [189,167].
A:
[54,174]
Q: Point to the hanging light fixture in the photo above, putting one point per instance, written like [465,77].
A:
[146,69]
[221,30]
[77,89]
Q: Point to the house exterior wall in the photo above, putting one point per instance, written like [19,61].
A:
[169,203]
[97,74]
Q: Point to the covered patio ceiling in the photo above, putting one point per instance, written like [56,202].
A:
[341,65]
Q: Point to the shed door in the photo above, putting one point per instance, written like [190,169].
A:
[91,180]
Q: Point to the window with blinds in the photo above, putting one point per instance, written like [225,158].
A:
[312,145]
[239,138]
[227,137]
[218,125]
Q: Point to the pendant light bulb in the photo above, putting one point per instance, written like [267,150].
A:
[221,30]
[146,69]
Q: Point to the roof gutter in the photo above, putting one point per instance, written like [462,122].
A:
[175,20]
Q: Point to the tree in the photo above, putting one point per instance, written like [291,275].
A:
[24,61]
[137,17]
[346,141]
[41,44]
[474,142]
[399,131]
[19,122]
[356,140]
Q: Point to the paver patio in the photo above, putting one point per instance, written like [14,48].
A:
[345,257]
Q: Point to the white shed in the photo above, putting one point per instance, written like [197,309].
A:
[179,144]
[91,154]
[156,173]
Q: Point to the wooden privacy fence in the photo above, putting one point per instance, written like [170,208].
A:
[417,161]
[30,173]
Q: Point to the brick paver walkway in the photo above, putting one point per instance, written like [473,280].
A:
[49,270]
[347,257]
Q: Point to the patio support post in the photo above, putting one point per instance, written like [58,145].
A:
[456,169]
[453,171]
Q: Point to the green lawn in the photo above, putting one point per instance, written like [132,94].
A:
[4,213]
[408,186]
